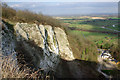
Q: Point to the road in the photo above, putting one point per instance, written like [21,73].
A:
[110,29]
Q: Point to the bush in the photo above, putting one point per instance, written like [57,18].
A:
[28,16]
[82,48]
[115,51]
[8,12]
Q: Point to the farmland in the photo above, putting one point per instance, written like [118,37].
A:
[93,24]
[105,29]
[102,32]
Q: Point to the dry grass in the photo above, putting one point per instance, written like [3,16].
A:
[27,16]
[10,69]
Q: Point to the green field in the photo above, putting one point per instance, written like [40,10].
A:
[86,43]
[92,24]
[97,38]
[95,25]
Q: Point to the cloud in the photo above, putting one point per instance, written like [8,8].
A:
[33,5]
[55,8]
[15,5]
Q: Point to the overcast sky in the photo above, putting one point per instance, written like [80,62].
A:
[60,0]
[67,8]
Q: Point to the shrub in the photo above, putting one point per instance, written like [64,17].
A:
[8,12]
[115,51]
[82,48]
[27,16]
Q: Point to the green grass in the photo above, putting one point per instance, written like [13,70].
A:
[92,35]
[91,24]
[113,18]
[99,38]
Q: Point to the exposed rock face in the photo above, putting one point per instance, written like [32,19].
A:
[7,41]
[44,46]
[52,41]
[64,47]
[7,46]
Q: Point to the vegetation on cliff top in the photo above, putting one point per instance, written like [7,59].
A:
[27,16]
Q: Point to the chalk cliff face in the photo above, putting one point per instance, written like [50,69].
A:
[7,41]
[43,46]
[52,44]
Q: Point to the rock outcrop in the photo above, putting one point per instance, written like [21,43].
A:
[43,45]
[46,47]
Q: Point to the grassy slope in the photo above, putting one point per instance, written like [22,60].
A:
[82,48]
